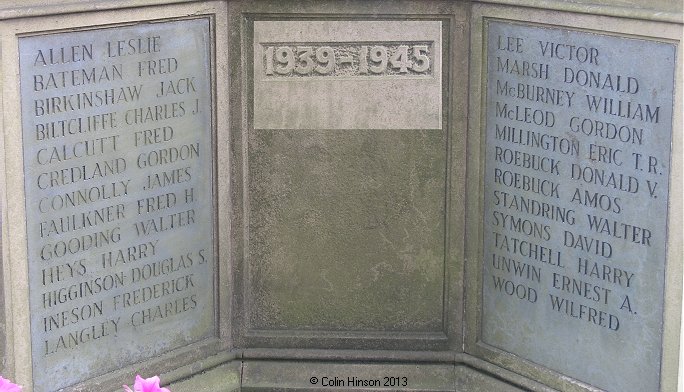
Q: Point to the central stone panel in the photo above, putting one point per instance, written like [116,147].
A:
[347,168]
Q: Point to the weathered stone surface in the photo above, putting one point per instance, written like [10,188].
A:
[223,378]
[118,179]
[347,205]
[341,217]
[3,327]
[469,380]
[303,376]
[576,186]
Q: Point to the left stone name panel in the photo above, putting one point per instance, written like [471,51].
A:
[117,136]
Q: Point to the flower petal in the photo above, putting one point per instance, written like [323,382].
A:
[138,386]
[147,385]
[8,386]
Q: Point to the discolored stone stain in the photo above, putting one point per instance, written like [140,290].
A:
[340,221]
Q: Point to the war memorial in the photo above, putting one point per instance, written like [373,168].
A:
[437,195]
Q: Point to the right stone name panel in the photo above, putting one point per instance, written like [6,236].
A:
[578,140]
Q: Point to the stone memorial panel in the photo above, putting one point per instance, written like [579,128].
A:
[388,73]
[347,168]
[117,134]
[578,133]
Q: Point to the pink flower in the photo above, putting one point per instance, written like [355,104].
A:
[7,386]
[143,385]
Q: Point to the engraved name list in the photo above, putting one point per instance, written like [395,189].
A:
[118,161]
[576,187]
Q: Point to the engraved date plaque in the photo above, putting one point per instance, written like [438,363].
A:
[577,173]
[117,130]
[387,73]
